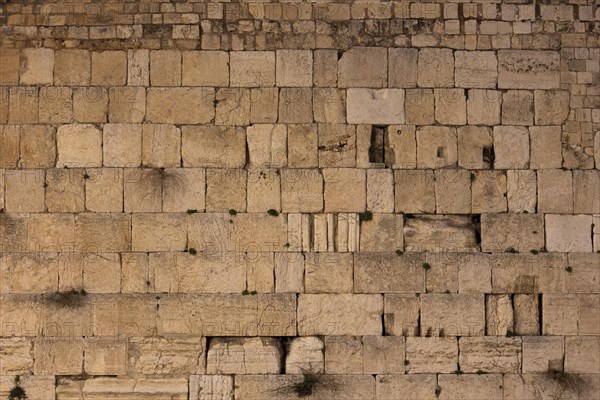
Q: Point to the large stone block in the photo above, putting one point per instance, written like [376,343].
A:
[431,355]
[436,147]
[503,232]
[37,66]
[205,68]
[233,106]
[208,387]
[166,356]
[421,386]
[521,186]
[375,106]
[453,191]
[329,273]
[363,67]
[490,354]
[55,105]
[158,232]
[402,67]
[301,190]
[499,315]
[546,147]
[24,190]
[305,354]
[476,69]
[62,356]
[294,68]
[127,104]
[244,356]
[138,67]
[345,190]
[382,234]
[252,68]
[528,69]
[180,105]
[38,147]
[511,147]
[17,356]
[161,146]
[440,233]
[79,146]
[72,67]
[452,314]
[211,146]
[569,233]
[542,354]
[483,107]
[517,107]
[226,190]
[555,191]
[450,106]
[401,314]
[267,145]
[122,145]
[303,143]
[109,68]
[388,273]
[470,387]
[9,66]
[337,145]
[104,190]
[165,68]
[551,107]
[436,68]
[65,190]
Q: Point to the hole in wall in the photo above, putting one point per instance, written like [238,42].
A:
[488,156]
[377,148]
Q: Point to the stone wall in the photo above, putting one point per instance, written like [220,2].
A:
[282,200]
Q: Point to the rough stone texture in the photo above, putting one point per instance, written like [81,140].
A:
[244,356]
[454,314]
[305,355]
[375,106]
[569,233]
[440,234]
[427,355]
[499,234]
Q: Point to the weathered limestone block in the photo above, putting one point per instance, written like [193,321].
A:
[60,356]
[259,232]
[210,233]
[105,357]
[548,386]
[511,147]
[226,190]
[555,191]
[551,107]
[211,387]
[526,314]
[582,354]
[138,67]
[329,105]
[589,314]
[17,356]
[24,105]
[103,233]
[165,68]
[32,273]
[543,354]
[546,147]
[205,146]
[122,145]
[133,315]
[79,146]
[470,387]
[453,191]
[488,191]
[166,356]
[51,232]
[37,66]
[402,67]
[419,106]
[380,190]
[38,147]
[436,68]
[24,190]
[502,232]
[517,107]
[490,354]
[436,147]
[499,315]
[522,190]
[401,314]
[13,232]
[56,105]
[560,314]
[180,105]
[303,143]
[519,69]
[267,145]
[305,355]
[252,68]
[483,107]
[294,68]
[329,273]
[388,273]
[10,136]
[569,233]
[440,233]
[143,389]
[233,106]
[161,146]
[295,105]
[262,314]
[90,104]
[337,145]
[260,274]
[342,387]
[264,190]
[586,191]
[363,67]
[289,271]
[101,273]
[421,386]
[450,106]
[183,190]
[264,103]
[158,232]
[452,314]
[320,314]
[344,355]
[104,190]
[528,273]
[585,273]
[401,152]
[382,234]
[375,106]
[383,354]
[325,67]
[127,104]
[9,63]
[186,273]
[205,68]
[135,273]
[476,69]
[345,189]
[35,387]
[244,356]
[109,68]
[431,355]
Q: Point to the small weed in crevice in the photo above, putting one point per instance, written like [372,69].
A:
[192,251]
[458,371]
[438,391]
[192,211]
[534,252]
[510,333]
[399,252]
[365,216]
[426,266]
[86,177]
[245,292]
[17,392]
[272,212]
[232,212]
[480,372]
[512,250]
[569,269]
[72,298]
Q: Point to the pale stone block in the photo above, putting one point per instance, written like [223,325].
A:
[17,356]
[210,146]
[420,386]
[56,105]
[233,106]
[38,147]
[135,276]
[388,273]
[226,190]
[9,66]
[363,67]
[401,314]
[166,356]
[10,136]
[526,314]
[383,354]
[343,314]
[183,189]
[382,234]
[180,105]
[122,145]
[165,68]
[329,105]
[244,356]
[502,232]
[103,233]
[453,191]
[542,354]
[13,233]
[303,143]
[259,232]
[264,190]
[402,67]
[294,68]
[109,68]
[143,188]
[475,147]
[569,233]
[205,68]
[436,147]
[380,190]
[289,270]
[264,104]
[127,104]
[431,355]
[105,357]
[586,191]
[419,106]
[375,106]
[436,68]
[101,387]
[37,66]
[301,190]
[474,273]
[267,145]
[35,387]
[79,146]
[560,314]
[452,314]
[511,147]
[555,191]
[72,67]
[344,355]
[551,107]
[519,69]
[522,190]
[305,355]
[582,354]
[517,107]
[589,314]
[90,104]
[450,106]
[329,273]
[104,190]
[529,273]
[58,356]
[31,273]
[345,190]
[51,232]
[489,190]
[476,69]
[211,387]
[158,232]
[585,274]
[546,147]
[161,146]
[440,233]
[65,190]
[138,67]
[597,149]
[483,107]
[295,105]
[536,386]
[24,105]
[325,68]
[499,315]
[337,145]
[470,387]
[252,68]
[24,190]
